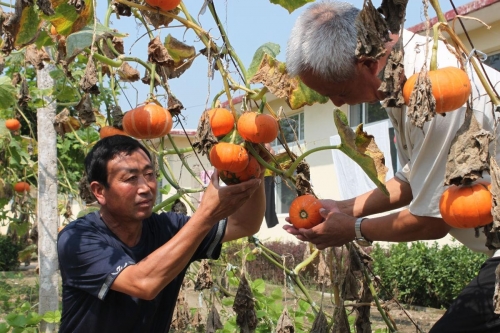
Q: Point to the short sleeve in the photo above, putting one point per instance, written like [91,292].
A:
[88,261]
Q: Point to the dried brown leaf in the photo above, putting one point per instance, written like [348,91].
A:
[88,82]
[492,230]
[394,77]
[198,322]
[35,56]
[204,276]
[469,152]
[320,324]
[180,318]
[394,12]
[373,32]
[127,73]
[204,138]
[174,106]
[340,321]
[422,105]
[117,115]
[244,306]
[84,190]
[46,7]
[85,110]
[156,19]
[365,144]
[272,74]
[213,320]
[24,94]
[285,323]
[158,53]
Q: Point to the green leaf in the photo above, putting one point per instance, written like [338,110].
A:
[271,49]
[52,316]
[353,144]
[290,5]
[86,211]
[228,301]
[259,286]
[179,51]
[303,95]
[33,319]
[43,39]
[16,319]
[29,26]
[78,41]
[4,328]
[277,294]
[7,93]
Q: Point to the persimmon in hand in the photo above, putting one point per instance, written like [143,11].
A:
[304,211]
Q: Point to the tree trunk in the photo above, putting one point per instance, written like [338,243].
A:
[47,201]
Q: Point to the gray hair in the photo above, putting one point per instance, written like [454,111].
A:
[323,40]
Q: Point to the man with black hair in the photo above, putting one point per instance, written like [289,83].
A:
[122,267]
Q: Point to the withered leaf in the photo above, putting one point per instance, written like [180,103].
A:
[394,12]
[204,276]
[204,138]
[88,82]
[362,149]
[422,105]
[84,190]
[117,115]
[320,324]
[323,277]
[244,306]
[122,9]
[158,53]
[285,323]
[117,43]
[24,93]
[213,320]
[127,73]
[46,7]
[180,318]
[272,74]
[35,56]
[373,32]
[496,294]
[198,322]
[469,152]
[78,4]
[156,19]
[2,63]
[174,106]
[85,110]
[492,230]
[303,179]
[394,77]
[340,321]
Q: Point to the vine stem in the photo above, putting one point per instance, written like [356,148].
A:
[183,160]
[299,159]
[295,278]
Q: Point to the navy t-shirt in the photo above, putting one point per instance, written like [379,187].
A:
[91,257]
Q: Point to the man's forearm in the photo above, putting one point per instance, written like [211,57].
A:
[376,201]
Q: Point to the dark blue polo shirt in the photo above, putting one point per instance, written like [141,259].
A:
[91,257]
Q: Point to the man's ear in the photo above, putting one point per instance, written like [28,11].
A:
[369,63]
[98,192]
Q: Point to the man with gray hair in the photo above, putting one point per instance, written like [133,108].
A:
[321,52]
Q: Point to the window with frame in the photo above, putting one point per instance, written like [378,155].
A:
[493,60]
[367,113]
[293,133]
[292,128]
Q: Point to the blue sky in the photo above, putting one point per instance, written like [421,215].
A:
[249,24]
